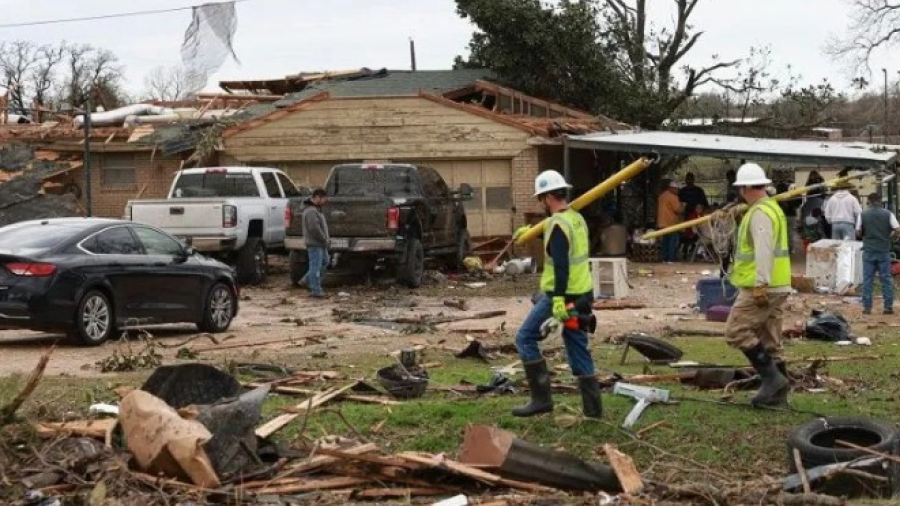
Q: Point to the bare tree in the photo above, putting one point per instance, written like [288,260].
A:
[873,24]
[44,73]
[166,83]
[18,59]
[90,71]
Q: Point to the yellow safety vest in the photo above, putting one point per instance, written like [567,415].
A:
[572,224]
[743,274]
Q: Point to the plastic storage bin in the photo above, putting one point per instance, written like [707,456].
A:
[714,292]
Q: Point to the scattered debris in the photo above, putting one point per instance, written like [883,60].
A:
[9,411]
[827,326]
[655,349]
[645,396]
[461,304]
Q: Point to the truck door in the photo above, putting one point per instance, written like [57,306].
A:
[440,207]
[274,234]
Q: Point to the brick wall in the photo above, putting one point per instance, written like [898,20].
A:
[153,176]
[525,168]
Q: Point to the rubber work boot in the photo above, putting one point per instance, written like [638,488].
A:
[774,388]
[539,383]
[591,403]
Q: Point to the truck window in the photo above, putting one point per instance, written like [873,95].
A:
[362,181]
[271,185]
[433,183]
[290,190]
[216,184]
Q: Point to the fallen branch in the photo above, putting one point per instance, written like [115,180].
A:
[841,359]
[253,344]
[446,319]
[694,332]
[804,480]
[97,429]
[8,412]
[886,456]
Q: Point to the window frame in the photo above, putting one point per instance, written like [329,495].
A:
[106,167]
[127,228]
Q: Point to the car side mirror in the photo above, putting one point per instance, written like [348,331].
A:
[186,253]
[466,191]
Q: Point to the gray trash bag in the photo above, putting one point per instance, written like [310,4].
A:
[827,326]
[233,447]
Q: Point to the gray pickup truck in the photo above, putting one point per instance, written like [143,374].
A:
[392,215]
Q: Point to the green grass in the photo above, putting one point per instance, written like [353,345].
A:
[714,440]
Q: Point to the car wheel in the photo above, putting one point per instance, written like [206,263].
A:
[299,266]
[252,262]
[94,320]
[412,271]
[218,312]
[463,247]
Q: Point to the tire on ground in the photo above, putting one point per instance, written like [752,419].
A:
[817,440]
[654,348]
[411,272]
[252,262]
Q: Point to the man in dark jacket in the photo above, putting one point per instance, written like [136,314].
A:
[315,234]
[877,227]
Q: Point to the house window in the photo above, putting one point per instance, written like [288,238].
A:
[118,169]
[498,197]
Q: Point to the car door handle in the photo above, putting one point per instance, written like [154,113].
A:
[159,264]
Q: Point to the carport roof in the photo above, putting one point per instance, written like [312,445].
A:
[692,144]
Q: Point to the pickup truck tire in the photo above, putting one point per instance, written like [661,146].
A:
[299,266]
[412,271]
[94,319]
[218,310]
[252,262]
[463,247]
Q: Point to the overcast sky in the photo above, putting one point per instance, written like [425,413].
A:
[279,37]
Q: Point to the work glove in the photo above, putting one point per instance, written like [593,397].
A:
[761,296]
[559,309]
[519,231]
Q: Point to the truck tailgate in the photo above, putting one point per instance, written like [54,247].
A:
[183,217]
[350,217]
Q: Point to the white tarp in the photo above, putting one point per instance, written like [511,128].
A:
[208,42]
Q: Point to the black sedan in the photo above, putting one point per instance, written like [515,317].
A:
[90,277]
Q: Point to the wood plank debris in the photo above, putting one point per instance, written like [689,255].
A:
[623,466]
[97,429]
[279,422]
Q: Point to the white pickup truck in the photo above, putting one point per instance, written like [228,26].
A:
[233,213]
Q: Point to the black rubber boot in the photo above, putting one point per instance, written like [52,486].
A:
[539,383]
[591,403]
[775,386]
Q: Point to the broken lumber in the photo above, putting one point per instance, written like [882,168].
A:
[97,429]
[445,319]
[694,332]
[8,411]
[613,305]
[337,482]
[629,477]
[279,422]
[471,472]
[398,493]
[367,399]
[842,358]
[801,471]
[252,344]
[492,264]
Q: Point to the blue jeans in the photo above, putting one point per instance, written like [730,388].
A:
[669,247]
[576,341]
[880,263]
[843,231]
[318,262]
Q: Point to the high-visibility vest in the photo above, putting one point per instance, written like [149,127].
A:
[743,274]
[573,226]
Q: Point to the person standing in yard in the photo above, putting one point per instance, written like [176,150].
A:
[315,234]
[842,211]
[762,273]
[566,281]
[877,226]
[668,213]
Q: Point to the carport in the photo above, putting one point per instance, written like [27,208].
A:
[856,156]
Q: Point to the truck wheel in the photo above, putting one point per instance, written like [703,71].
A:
[299,266]
[412,271]
[463,247]
[252,262]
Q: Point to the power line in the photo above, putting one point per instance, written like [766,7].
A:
[104,16]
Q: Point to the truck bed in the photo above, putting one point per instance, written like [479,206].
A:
[181,217]
[349,216]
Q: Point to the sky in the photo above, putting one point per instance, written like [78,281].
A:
[280,37]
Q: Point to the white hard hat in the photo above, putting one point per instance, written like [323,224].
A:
[549,181]
[751,174]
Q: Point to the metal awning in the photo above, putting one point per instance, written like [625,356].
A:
[726,146]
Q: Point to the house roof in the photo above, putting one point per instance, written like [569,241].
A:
[691,144]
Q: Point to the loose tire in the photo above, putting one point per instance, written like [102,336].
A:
[94,319]
[653,348]
[412,271]
[252,262]
[817,440]
[218,310]
[299,265]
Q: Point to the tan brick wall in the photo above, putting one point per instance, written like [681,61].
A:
[109,201]
[525,168]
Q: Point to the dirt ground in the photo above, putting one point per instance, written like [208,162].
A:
[304,327]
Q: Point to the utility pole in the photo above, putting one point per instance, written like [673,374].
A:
[87,159]
[412,54]
[885,129]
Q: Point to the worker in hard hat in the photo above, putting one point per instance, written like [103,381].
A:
[566,292]
[762,273]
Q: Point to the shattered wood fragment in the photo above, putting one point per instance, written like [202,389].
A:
[801,471]
[319,461]
[97,429]
[461,304]
[292,340]
[395,493]
[623,466]
[366,399]
[279,422]
[7,412]
[337,482]
[370,459]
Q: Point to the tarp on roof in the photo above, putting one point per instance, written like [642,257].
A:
[726,146]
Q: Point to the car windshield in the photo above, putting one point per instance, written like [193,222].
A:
[31,239]
[216,184]
[360,181]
